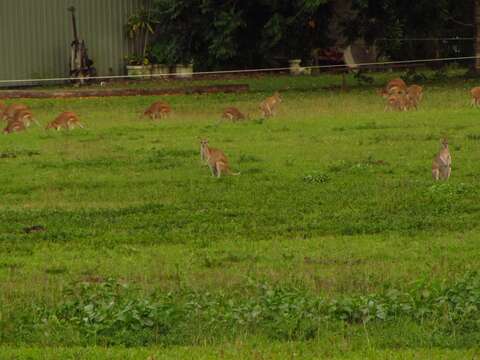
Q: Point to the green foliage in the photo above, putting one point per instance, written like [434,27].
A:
[387,23]
[335,217]
[138,28]
[411,76]
[317,178]
[224,34]
[111,312]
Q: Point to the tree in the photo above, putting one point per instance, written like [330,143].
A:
[476,21]
[391,23]
[233,33]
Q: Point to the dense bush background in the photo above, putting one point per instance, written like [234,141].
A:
[252,33]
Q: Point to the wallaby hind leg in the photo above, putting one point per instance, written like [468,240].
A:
[264,112]
[219,169]
[213,170]
[435,174]
[270,111]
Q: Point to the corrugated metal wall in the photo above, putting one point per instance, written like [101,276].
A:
[35,36]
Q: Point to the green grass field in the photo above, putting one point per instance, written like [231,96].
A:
[333,242]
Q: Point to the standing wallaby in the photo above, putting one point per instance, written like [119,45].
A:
[14,126]
[66,120]
[12,109]
[475,92]
[414,95]
[269,104]
[232,113]
[26,117]
[216,160]
[442,163]
[158,109]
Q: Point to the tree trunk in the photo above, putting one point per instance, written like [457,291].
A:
[476,22]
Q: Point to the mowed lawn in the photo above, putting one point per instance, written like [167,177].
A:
[335,197]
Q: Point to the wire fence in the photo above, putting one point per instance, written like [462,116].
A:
[365,65]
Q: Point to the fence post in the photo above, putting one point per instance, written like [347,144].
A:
[476,21]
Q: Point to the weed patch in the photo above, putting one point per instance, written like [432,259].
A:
[112,312]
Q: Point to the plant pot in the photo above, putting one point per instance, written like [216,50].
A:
[160,69]
[137,70]
[295,68]
[184,70]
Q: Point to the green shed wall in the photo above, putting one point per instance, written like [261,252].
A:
[35,36]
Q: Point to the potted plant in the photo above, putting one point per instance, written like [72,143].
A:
[184,69]
[295,68]
[137,66]
[138,28]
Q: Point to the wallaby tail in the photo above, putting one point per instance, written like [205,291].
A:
[230,172]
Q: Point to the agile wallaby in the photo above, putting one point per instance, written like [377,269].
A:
[475,92]
[396,102]
[216,160]
[66,120]
[394,87]
[12,109]
[26,117]
[232,113]
[14,126]
[269,105]
[442,163]
[414,96]
[3,107]
[158,109]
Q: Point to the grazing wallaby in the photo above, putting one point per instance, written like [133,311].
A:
[66,120]
[14,126]
[269,104]
[442,163]
[414,95]
[12,110]
[396,102]
[475,92]
[394,87]
[26,117]
[158,109]
[232,113]
[216,160]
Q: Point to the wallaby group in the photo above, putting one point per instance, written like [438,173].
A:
[19,117]
[267,107]
[401,97]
